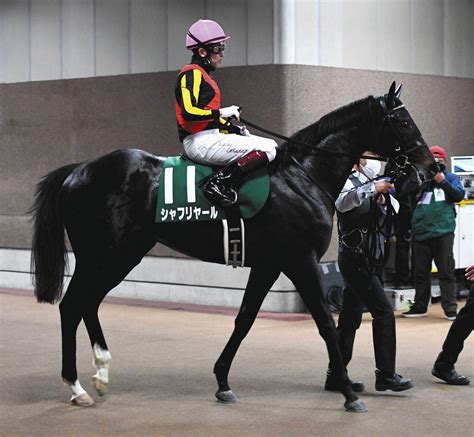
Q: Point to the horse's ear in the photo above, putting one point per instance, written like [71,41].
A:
[398,91]
[382,104]
[391,96]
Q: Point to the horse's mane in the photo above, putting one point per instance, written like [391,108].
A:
[351,115]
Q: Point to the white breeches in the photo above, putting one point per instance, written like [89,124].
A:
[212,147]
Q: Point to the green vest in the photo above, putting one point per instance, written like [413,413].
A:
[433,216]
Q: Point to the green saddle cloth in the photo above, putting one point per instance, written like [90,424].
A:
[181,200]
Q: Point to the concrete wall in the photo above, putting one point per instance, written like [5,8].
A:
[47,124]
[62,39]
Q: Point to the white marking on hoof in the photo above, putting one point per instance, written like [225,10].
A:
[100,385]
[227,397]
[83,400]
[101,357]
[79,395]
[101,361]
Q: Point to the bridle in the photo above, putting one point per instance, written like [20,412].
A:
[400,160]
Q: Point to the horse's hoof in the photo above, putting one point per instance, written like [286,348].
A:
[227,397]
[83,400]
[100,386]
[356,406]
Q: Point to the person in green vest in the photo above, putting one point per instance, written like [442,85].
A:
[433,224]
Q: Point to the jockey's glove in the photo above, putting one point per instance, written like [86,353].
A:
[230,111]
[244,131]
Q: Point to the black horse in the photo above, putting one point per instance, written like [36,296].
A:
[107,207]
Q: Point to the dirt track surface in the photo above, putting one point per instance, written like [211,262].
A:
[162,382]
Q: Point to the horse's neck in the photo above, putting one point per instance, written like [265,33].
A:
[331,172]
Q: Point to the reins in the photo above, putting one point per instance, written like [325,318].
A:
[376,252]
[303,144]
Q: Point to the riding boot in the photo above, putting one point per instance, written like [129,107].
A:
[221,187]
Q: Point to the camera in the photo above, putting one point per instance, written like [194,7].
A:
[442,167]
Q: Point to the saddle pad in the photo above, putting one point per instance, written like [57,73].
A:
[181,200]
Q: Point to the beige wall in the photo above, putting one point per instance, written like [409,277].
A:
[65,39]
[48,124]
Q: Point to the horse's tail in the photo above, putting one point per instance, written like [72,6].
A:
[48,254]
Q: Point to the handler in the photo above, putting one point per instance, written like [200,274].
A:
[207,135]
[454,343]
[362,208]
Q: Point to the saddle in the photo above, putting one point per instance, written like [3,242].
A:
[181,200]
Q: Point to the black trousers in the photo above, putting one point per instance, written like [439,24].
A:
[440,250]
[362,289]
[459,331]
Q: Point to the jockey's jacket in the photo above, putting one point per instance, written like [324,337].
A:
[198,100]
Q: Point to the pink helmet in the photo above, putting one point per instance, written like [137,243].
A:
[204,32]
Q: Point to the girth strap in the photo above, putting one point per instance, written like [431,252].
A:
[234,237]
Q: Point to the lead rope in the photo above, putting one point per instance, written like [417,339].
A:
[375,248]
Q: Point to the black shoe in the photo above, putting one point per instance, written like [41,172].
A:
[451,315]
[415,312]
[394,382]
[332,384]
[218,190]
[450,376]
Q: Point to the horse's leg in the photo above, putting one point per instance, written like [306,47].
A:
[114,268]
[91,282]
[260,281]
[304,274]
[100,351]
[70,312]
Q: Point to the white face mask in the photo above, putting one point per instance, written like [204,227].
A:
[372,168]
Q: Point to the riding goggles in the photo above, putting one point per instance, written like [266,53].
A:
[217,48]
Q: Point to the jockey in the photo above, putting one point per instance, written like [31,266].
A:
[204,128]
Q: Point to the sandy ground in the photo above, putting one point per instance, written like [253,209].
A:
[162,382]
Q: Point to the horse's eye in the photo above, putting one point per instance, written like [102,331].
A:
[405,123]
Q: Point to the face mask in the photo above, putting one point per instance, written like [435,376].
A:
[372,168]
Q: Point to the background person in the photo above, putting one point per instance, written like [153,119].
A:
[204,129]
[433,224]
[357,201]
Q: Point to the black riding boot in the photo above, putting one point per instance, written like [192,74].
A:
[221,187]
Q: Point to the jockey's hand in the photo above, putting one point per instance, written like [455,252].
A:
[244,131]
[230,111]
[383,186]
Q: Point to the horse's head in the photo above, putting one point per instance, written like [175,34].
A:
[399,139]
